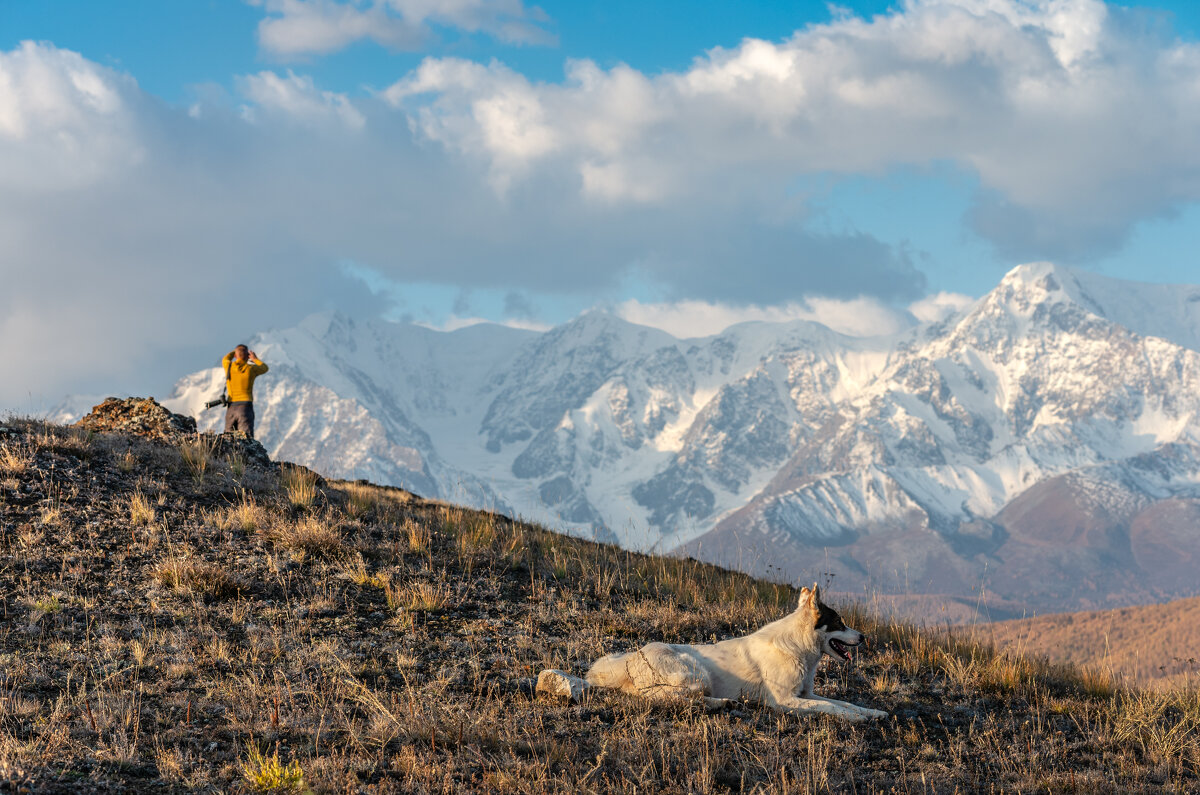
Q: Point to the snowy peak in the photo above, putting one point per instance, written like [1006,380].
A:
[1170,312]
[940,450]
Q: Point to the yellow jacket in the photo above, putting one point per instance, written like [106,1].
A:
[239,382]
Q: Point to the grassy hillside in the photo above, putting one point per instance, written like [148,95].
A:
[184,617]
[1149,644]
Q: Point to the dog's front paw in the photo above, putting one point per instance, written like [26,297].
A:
[874,713]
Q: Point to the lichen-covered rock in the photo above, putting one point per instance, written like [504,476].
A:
[140,416]
[560,684]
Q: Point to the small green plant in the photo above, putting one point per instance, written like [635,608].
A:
[264,773]
[48,605]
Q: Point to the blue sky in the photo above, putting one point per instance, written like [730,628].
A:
[182,172]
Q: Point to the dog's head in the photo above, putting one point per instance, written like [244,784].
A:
[836,638]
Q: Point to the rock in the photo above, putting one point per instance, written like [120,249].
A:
[559,684]
[238,444]
[139,416]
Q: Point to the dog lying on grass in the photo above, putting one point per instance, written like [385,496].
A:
[775,665]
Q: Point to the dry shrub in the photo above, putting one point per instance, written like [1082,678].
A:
[193,576]
[300,485]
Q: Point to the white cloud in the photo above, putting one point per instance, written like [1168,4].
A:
[859,317]
[939,306]
[64,121]
[136,234]
[299,98]
[454,323]
[1076,122]
[304,27]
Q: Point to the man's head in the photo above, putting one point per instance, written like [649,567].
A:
[241,353]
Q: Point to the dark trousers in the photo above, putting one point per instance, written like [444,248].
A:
[239,416]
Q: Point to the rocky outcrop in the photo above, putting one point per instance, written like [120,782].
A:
[141,417]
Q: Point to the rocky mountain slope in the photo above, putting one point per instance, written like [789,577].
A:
[1040,448]
[179,615]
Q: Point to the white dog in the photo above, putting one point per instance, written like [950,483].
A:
[774,665]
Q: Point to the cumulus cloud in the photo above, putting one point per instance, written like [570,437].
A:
[317,27]
[1075,120]
[298,98]
[140,237]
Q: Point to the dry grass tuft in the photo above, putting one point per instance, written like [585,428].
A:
[14,458]
[192,576]
[417,535]
[141,512]
[197,455]
[300,485]
[1165,725]
[246,514]
[421,597]
[311,535]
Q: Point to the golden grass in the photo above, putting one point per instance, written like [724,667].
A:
[401,657]
[300,485]
[311,535]
[245,515]
[418,596]
[197,455]
[14,458]
[1164,724]
[141,513]
[189,575]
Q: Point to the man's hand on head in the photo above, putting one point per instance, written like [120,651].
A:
[253,356]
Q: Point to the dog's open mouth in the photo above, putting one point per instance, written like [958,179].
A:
[841,649]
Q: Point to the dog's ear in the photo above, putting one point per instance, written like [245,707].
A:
[807,600]
[816,592]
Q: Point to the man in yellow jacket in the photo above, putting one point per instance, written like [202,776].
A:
[242,366]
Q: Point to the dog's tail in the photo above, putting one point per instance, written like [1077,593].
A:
[612,671]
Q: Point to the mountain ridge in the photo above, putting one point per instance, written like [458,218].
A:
[890,459]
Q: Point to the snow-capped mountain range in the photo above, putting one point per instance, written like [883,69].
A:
[1043,445]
